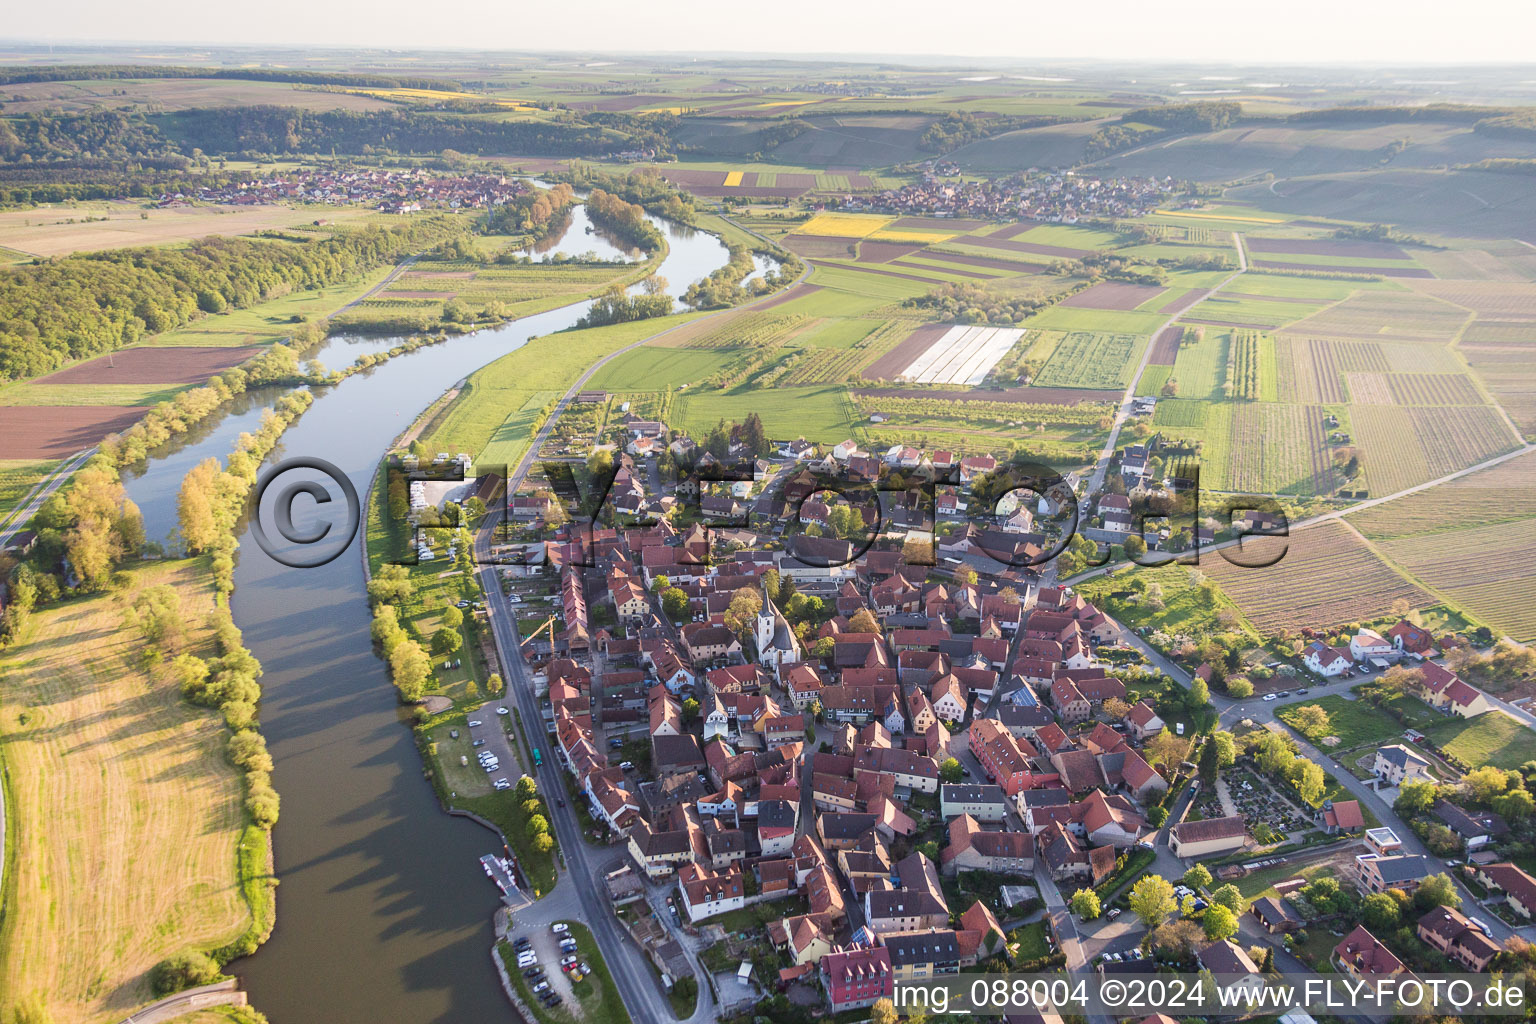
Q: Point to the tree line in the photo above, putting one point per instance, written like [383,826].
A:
[57,311]
[624,220]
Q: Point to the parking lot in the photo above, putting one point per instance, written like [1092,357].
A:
[546,946]
[493,730]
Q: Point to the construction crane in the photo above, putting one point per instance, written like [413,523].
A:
[547,624]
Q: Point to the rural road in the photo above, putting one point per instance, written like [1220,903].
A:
[1124,412]
[220,993]
[28,506]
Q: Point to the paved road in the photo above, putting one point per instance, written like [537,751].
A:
[577,895]
[1123,413]
[28,506]
[222,993]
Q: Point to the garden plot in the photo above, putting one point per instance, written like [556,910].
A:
[962,355]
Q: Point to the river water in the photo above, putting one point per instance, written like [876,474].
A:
[383,911]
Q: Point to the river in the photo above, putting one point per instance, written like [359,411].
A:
[383,911]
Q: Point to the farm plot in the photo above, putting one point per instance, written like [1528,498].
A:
[1485,569]
[1370,389]
[1244,366]
[1089,359]
[1199,367]
[1308,371]
[1406,446]
[822,246]
[1279,449]
[843,225]
[1498,332]
[1455,437]
[1392,462]
[1327,576]
[1433,389]
[1342,248]
[1114,295]
[1389,315]
[1490,300]
[56,431]
[1359,356]
[742,331]
[1165,347]
[1509,373]
[1494,495]
[188,364]
[1180,412]
[1353,267]
[962,355]
[1251,311]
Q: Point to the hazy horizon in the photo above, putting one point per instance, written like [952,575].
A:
[1312,32]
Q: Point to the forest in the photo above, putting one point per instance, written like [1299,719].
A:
[81,306]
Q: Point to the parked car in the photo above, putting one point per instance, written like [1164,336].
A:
[559,927]
[502,711]
[628,766]
[478,743]
[521,943]
[542,986]
[1270,696]
[475,722]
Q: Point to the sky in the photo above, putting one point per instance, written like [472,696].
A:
[1209,31]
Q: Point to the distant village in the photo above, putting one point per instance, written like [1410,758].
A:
[407,191]
[1064,197]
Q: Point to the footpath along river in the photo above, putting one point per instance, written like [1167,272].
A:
[383,910]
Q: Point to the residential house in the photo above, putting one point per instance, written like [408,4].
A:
[857,977]
[1328,662]
[1142,722]
[1454,935]
[1362,955]
[972,849]
[1403,871]
[707,894]
[1396,764]
[1519,888]
[984,803]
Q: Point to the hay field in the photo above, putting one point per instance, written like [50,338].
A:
[58,230]
[126,810]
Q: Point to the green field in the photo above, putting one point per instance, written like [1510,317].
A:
[1180,412]
[1201,368]
[869,286]
[1072,318]
[1491,738]
[493,405]
[17,478]
[816,413]
[838,333]
[651,369]
[42,393]
[1354,722]
[1086,359]
[1249,312]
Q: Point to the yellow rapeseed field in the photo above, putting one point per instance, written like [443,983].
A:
[845,225]
[911,235]
[732,179]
